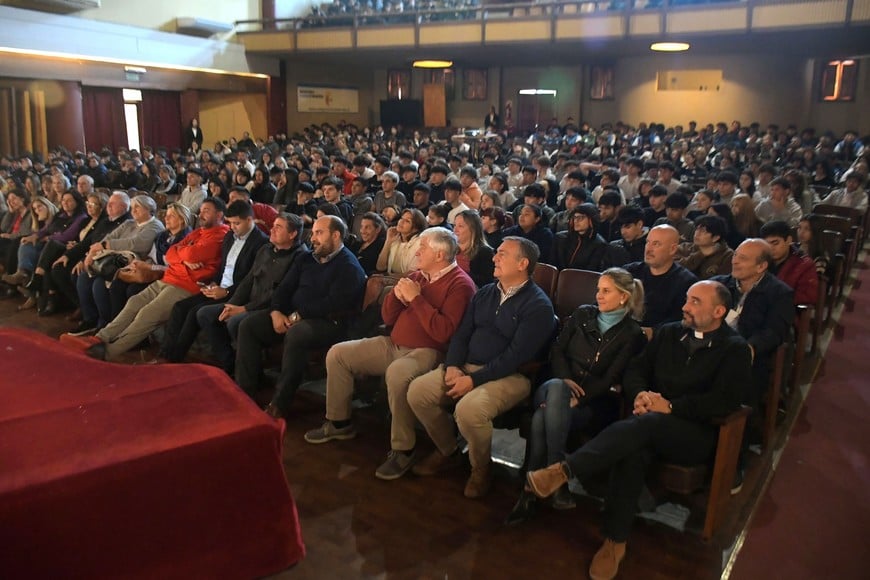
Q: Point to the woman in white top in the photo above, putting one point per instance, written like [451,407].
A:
[399,256]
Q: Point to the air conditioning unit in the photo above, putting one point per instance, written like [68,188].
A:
[57,6]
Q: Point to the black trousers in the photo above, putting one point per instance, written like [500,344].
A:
[627,448]
[183,327]
[256,335]
[9,254]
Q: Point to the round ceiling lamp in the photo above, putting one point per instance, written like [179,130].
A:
[669,46]
[433,63]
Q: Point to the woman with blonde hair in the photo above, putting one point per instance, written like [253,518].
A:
[589,356]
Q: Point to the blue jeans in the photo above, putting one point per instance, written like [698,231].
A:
[28,255]
[554,420]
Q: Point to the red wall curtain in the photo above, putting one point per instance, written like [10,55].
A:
[103,115]
[160,119]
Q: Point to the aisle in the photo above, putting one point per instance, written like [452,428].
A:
[814,518]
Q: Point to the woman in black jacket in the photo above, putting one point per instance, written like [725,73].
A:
[475,255]
[589,356]
[580,247]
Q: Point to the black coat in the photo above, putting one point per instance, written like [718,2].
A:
[699,386]
[593,253]
[594,361]
[245,260]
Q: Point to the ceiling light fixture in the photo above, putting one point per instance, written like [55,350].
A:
[433,63]
[538,92]
[669,46]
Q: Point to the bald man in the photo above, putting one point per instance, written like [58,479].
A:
[664,281]
[689,373]
[763,313]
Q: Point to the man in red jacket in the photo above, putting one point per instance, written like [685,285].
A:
[790,266]
[195,259]
[424,310]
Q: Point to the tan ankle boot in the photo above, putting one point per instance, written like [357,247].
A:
[544,482]
[479,483]
[605,563]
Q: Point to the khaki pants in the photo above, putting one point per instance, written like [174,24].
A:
[373,357]
[473,413]
[142,314]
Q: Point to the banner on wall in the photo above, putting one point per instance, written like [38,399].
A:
[323,99]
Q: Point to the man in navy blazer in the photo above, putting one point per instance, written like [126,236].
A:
[237,256]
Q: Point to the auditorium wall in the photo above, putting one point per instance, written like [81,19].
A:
[225,115]
[161,14]
[364,79]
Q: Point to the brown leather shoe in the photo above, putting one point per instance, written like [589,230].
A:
[436,462]
[16,279]
[76,315]
[545,482]
[29,304]
[273,411]
[480,482]
[605,563]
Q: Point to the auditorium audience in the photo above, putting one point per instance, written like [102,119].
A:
[589,357]
[504,326]
[424,310]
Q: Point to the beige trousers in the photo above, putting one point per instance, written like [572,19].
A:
[373,357]
[473,413]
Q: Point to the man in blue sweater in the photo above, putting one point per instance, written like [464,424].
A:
[508,323]
[308,311]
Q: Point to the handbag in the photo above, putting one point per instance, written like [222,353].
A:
[139,273]
[107,263]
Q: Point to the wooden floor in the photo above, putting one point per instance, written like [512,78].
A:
[357,526]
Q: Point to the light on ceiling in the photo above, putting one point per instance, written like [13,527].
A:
[669,46]
[433,63]
[538,92]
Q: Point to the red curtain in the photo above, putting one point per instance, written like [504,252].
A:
[160,119]
[103,116]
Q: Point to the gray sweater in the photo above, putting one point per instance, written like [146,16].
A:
[133,237]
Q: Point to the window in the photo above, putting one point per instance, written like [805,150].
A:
[601,83]
[399,84]
[441,76]
[132,99]
[839,80]
[474,84]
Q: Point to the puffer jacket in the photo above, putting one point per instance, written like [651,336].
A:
[593,361]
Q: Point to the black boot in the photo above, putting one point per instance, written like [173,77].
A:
[524,509]
[35,283]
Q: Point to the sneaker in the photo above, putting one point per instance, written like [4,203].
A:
[738,481]
[480,482]
[328,431]
[605,563]
[396,465]
[545,482]
[84,328]
[436,462]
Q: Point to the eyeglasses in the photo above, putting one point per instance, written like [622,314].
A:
[92,204]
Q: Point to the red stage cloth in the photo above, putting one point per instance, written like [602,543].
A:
[108,470]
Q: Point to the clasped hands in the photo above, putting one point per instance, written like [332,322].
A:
[406,290]
[460,384]
[650,402]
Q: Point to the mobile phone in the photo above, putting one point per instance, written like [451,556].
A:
[203,284]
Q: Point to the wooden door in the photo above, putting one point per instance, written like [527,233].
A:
[434,106]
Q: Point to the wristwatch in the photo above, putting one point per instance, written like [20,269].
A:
[294,318]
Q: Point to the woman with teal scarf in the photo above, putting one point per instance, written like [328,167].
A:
[589,356]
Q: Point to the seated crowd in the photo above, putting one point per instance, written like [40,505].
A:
[705,241]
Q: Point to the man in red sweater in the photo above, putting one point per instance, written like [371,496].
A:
[194,259]
[264,214]
[796,270]
[424,310]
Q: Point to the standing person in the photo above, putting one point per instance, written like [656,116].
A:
[590,355]
[505,325]
[193,134]
[690,373]
[424,310]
